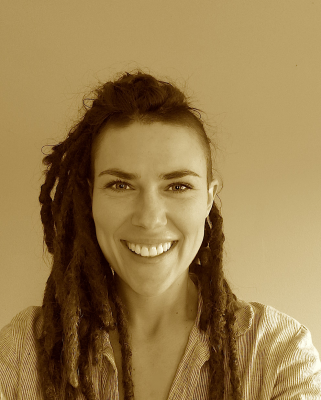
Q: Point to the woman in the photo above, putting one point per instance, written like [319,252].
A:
[136,303]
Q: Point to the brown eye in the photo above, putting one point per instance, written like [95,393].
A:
[120,186]
[180,187]
[117,186]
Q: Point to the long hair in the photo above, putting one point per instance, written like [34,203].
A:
[80,301]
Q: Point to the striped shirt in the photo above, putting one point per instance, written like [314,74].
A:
[277,359]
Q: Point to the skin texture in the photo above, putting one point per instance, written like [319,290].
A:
[156,291]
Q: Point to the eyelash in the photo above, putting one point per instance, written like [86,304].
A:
[110,184]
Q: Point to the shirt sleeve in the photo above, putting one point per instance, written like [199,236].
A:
[299,373]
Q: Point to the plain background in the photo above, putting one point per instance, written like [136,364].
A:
[252,66]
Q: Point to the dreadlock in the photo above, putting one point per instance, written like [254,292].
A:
[80,301]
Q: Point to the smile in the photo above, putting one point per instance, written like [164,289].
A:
[145,250]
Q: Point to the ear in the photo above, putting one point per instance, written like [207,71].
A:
[211,194]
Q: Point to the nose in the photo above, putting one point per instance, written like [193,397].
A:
[150,212]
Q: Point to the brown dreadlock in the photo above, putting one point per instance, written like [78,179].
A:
[80,301]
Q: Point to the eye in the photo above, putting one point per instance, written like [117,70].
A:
[177,187]
[119,186]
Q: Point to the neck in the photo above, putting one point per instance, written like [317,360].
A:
[149,316]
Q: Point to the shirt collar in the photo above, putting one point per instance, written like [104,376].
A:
[244,317]
[243,311]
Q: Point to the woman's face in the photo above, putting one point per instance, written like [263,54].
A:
[150,188]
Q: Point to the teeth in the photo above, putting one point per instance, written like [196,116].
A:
[132,246]
[149,251]
[160,249]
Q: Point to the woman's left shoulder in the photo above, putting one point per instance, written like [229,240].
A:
[272,330]
[257,317]
[278,351]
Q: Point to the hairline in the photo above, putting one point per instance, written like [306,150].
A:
[144,121]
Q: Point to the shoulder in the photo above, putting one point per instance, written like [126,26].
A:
[257,316]
[20,333]
[19,337]
[278,348]
[18,355]
[26,321]
[265,323]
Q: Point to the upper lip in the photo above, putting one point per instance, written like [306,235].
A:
[150,241]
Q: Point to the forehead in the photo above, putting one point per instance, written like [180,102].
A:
[150,147]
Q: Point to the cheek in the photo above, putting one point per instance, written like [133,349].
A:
[195,210]
[191,222]
[104,219]
[105,224]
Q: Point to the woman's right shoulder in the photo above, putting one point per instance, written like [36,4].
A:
[27,323]
[18,355]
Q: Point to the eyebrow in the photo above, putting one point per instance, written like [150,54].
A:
[126,175]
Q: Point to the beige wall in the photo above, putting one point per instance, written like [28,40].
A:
[253,66]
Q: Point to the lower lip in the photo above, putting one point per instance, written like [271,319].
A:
[150,260]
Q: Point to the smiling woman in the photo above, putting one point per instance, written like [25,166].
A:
[161,202]
[137,305]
